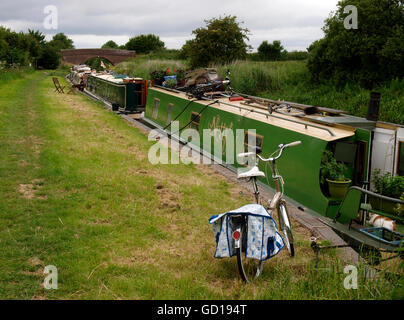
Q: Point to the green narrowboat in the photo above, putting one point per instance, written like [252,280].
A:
[363,145]
[125,94]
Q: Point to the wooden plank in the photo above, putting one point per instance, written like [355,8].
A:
[287,122]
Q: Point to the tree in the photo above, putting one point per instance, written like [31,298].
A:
[37,41]
[37,35]
[95,63]
[370,54]
[60,41]
[49,57]
[221,41]
[110,45]
[15,47]
[22,49]
[145,43]
[272,51]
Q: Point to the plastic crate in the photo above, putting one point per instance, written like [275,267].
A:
[384,235]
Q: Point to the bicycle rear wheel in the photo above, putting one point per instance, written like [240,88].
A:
[249,269]
[286,229]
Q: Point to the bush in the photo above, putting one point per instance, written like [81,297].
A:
[270,51]
[387,185]
[49,57]
[221,41]
[145,43]
[110,45]
[369,55]
[296,55]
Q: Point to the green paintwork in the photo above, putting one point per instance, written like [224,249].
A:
[123,94]
[350,205]
[300,166]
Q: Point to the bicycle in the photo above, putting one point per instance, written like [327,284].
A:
[250,269]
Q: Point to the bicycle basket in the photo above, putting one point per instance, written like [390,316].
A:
[263,239]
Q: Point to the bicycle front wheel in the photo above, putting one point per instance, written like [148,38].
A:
[249,269]
[286,229]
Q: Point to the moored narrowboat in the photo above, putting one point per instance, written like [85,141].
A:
[363,145]
[122,92]
[79,74]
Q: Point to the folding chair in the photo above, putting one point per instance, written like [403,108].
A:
[58,87]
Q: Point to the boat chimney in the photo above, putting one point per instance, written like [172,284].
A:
[373,110]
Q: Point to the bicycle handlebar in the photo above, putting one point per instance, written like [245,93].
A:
[281,148]
[293,144]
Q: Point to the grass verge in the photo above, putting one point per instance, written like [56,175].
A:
[78,192]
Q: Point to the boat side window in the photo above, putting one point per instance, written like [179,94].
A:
[195,120]
[250,138]
[400,165]
[170,113]
[156,106]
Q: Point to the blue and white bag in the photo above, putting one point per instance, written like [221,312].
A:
[263,239]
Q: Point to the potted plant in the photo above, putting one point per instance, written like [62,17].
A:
[170,83]
[157,77]
[333,172]
[389,186]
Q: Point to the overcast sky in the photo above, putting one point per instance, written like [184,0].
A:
[90,23]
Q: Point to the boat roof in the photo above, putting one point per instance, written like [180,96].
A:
[116,78]
[324,131]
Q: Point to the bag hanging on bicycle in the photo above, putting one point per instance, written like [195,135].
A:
[261,239]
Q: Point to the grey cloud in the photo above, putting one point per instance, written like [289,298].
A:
[175,19]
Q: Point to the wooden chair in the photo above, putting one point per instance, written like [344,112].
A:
[58,87]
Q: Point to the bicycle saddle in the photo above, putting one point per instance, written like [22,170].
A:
[249,173]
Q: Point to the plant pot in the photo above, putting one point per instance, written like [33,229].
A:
[338,189]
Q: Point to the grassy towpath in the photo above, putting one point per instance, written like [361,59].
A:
[78,192]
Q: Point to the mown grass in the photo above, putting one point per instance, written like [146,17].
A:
[7,75]
[78,192]
[290,81]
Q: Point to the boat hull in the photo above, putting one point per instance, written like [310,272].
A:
[300,166]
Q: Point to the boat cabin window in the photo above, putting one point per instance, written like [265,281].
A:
[345,152]
[195,120]
[156,107]
[170,113]
[400,163]
[251,138]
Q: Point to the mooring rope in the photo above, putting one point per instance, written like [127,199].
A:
[193,117]
[189,103]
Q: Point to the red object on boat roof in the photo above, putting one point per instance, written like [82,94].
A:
[236,99]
